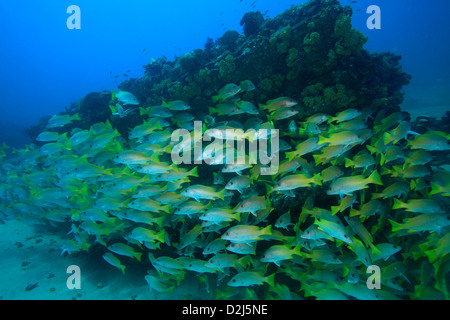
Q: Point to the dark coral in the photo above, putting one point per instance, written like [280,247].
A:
[310,53]
[252,22]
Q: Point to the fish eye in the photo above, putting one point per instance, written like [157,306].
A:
[234,280]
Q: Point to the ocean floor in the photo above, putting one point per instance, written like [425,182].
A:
[32,268]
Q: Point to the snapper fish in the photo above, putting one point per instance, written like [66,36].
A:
[114,261]
[246,234]
[279,103]
[198,192]
[127,98]
[58,121]
[227,92]
[251,278]
[348,185]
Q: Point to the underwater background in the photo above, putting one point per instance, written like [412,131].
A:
[87,176]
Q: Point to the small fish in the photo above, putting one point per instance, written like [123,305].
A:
[219,215]
[361,252]
[295,181]
[418,157]
[177,105]
[346,202]
[323,255]
[305,147]
[242,248]
[281,114]
[335,230]
[347,185]
[279,253]
[250,278]
[47,136]
[344,138]
[238,183]
[418,206]
[168,262]
[397,189]
[331,173]
[124,250]
[392,153]
[368,209]
[384,251]
[399,133]
[432,141]
[246,234]
[246,86]
[282,102]
[228,91]
[431,222]
[114,261]
[317,118]
[142,234]
[127,98]
[226,109]
[247,107]
[189,237]
[284,221]
[345,115]
[58,121]
[361,160]
[252,204]
[215,246]
[144,204]
[203,192]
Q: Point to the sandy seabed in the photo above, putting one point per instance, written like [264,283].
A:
[32,268]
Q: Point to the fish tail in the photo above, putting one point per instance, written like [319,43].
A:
[193,172]
[435,189]
[334,210]
[113,95]
[221,194]
[317,180]
[160,236]
[213,110]
[348,162]
[374,248]
[398,204]
[267,230]
[138,256]
[215,98]
[166,208]
[142,111]
[323,140]
[375,178]
[395,225]
[122,268]
[271,280]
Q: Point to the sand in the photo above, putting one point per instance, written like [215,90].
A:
[30,257]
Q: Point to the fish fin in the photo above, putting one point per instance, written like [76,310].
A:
[371,149]
[397,204]
[375,178]
[348,162]
[271,280]
[317,179]
[395,225]
[193,172]
[382,159]
[213,110]
[138,256]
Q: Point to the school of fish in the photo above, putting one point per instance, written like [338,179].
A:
[353,189]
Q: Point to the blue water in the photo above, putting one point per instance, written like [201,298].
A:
[45,66]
